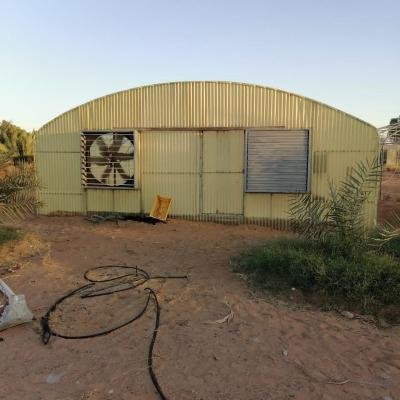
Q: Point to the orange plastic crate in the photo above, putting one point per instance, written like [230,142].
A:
[161,208]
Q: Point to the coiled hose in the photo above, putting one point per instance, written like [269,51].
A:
[138,277]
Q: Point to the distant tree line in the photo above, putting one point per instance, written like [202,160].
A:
[16,142]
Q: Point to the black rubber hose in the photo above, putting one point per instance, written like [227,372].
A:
[48,331]
[152,343]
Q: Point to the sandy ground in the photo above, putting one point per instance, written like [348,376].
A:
[268,351]
[390,196]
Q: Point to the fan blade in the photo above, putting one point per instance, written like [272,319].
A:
[106,174]
[124,156]
[121,171]
[97,160]
[117,143]
[104,149]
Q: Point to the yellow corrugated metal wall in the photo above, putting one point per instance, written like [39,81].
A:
[392,156]
[222,172]
[190,145]
[170,167]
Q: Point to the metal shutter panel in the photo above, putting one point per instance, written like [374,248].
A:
[277,161]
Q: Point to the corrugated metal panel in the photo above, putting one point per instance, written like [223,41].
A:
[257,205]
[61,203]
[223,193]
[59,172]
[209,104]
[64,123]
[277,161]
[337,140]
[127,201]
[170,167]
[100,200]
[113,201]
[222,172]
[393,156]
[69,142]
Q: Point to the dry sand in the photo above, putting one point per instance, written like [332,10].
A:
[268,351]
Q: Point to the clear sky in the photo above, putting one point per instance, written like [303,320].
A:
[58,54]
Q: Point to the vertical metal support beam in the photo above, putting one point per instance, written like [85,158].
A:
[244,171]
[201,165]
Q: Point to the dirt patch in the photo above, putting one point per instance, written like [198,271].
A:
[267,351]
[19,253]
[390,196]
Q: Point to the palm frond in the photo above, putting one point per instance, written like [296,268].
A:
[342,214]
[307,214]
[18,187]
[388,231]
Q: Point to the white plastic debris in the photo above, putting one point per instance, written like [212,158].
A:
[54,377]
[16,311]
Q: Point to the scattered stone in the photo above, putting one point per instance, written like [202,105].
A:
[285,353]
[347,314]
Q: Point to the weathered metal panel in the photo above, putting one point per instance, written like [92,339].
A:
[64,123]
[182,188]
[223,151]
[392,156]
[69,142]
[127,201]
[223,193]
[170,167]
[59,172]
[100,200]
[60,203]
[222,172]
[170,161]
[257,206]
[277,161]
[113,201]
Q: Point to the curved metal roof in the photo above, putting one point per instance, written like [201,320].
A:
[88,103]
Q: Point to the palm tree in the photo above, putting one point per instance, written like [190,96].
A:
[15,141]
[18,186]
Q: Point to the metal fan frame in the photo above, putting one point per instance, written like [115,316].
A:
[88,179]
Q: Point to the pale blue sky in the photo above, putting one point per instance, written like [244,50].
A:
[58,54]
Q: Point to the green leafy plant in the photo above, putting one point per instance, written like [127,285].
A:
[8,234]
[18,186]
[365,282]
[389,231]
[340,217]
[331,260]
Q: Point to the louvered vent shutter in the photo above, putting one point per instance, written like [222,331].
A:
[277,161]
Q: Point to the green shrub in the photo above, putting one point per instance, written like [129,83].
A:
[7,234]
[335,260]
[392,247]
[362,282]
